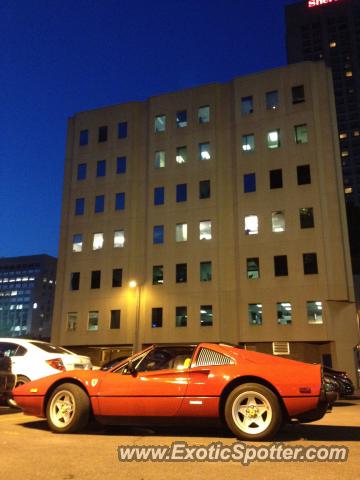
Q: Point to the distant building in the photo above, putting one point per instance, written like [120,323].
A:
[225,203]
[27,288]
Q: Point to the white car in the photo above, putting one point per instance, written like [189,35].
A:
[33,359]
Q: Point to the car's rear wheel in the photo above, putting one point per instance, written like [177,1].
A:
[21,380]
[252,412]
[68,408]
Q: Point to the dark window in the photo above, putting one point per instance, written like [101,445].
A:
[158,234]
[95,279]
[99,203]
[81,171]
[310,263]
[247,105]
[205,271]
[75,281]
[181,316]
[121,165]
[158,275]
[117,277]
[122,130]
[115,319]
[272,100]
[276,180]
[306,218]
[303,175]
[120,201]
[181,192]
[249,182]
[103,133]
[298,94]
[80,206]
[181,119]
[181,272]
[101,168]
[280,265]
[159,195]
[157,317]
[204,189]
[84,137]
[253,268]
[206,315]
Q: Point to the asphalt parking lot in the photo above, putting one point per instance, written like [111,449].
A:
[29,450]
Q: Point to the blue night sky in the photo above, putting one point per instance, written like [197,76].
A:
[58,57]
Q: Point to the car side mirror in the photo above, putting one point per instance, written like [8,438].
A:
[131,369]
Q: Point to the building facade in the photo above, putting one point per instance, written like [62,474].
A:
[225,204]
[27,290]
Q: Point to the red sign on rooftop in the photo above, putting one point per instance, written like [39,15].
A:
[319,3]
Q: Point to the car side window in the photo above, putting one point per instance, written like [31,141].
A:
[12,350]
[164,358]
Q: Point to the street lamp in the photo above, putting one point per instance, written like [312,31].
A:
[136,343]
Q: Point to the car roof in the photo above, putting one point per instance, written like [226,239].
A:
[22,341]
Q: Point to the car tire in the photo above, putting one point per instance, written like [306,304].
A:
[21,380]
[253,412]
[68,408]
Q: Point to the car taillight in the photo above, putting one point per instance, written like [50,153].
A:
[56,363]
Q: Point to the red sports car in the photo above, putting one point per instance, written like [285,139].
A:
[252,392]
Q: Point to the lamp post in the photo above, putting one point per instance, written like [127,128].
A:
[136,343]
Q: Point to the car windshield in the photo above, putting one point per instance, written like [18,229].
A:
[49,348]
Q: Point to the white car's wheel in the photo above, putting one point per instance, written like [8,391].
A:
[252,412]
[68,409]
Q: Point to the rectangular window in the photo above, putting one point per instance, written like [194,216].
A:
[119,238]
[159,195]
[275,178]
[160,123]
[303,174]
[80,206]
[72,318]
[99,203]
[251,225]
[101,168]
[280,266]
[160,159]
[115,319]
[310,263]
[181,316]
[158,234]
[205,230]
[204,114]
[75,281]
[93,321]
[278,221]
[298,94]
[181,232]
[117,277]
[181,192]
[314,312]
[181,119]
[120,201]
[81,171]
[121,165]
[248,142]
[253,268]
[204,189]
[205,271]
[95,279]
[77,244]
[255,313]
[284,313]
[181,273]
[306,217]
[103,134]
[247,106]
[273,139]
[272,100]
[206,316]
[249,182]
[156,317]
[204,151]
[301,133]
[158,275]
[98,241]
[181,154]
[84,137]
[122,129]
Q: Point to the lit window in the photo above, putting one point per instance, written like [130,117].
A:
[160,123]
[158,234]
[117,277]
[249,182]
[98,241]
[301,133]
[255,313]
[272,100]
[273,139]
[181,232]
[84,137]
[356,133]
[278,221]
[121,165]
[348,74]
[156,317]
[160,159]
[332,44]
[80,206]
[122,130]
[306,217]
[205,271]
[251,225]
[204,114]
[344,153]
[298,94]
[348,190]
[247,105]
[99,203]
[181,192]
[181,272]
[77,244]
[343,135]
[248,142]
[95,279]
[284,313]
[158,275]
[253,268]
[93,321]
[72,318]
[119,238]
[275,178]
[115,319]
[310,263]
[204,189]
[205,230]
[181,119]
[181,316]
[101,168]
[120,201]
[159,195]
[204,151]
[181,154]
[314,312]
[81,171]
[103,134]
[280,266]
[206,315]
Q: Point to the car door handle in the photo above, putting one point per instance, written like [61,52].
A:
[204,371]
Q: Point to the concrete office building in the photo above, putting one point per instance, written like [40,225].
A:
[225,204]
[27,290]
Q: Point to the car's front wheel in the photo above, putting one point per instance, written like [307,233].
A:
[68,408]
[252,412]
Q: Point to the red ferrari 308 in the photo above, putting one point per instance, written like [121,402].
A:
[252,393]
